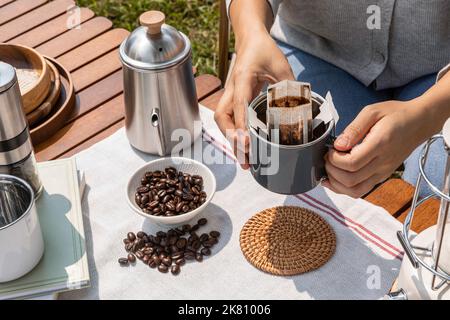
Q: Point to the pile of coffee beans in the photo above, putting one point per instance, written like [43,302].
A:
[169,251]
[170,193]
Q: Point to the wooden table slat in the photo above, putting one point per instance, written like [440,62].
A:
[93,49]
[96,70]
[79,131]
[425,216]
[75,37]
[17,8]
[99,119]
[99,137]
[50,29]
[97,94]
[394,195]
[213,100]
[33,19]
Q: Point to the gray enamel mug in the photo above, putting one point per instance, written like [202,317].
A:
[287,169]
[21,241]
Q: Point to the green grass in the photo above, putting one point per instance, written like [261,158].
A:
[198,19]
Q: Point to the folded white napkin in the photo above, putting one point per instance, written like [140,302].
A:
[364,266]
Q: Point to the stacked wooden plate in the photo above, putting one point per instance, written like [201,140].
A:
[47,90]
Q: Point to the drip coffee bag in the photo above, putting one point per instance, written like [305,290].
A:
[289,110]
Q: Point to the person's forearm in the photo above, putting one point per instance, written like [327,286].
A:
[436,105]
[249,18]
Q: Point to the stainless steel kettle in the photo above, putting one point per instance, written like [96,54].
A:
[159,86]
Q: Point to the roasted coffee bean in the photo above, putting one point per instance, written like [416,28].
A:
[179,232]
[129,246]
[195,190]
[152,264]
[186,227]
[214,234]
[162,193]
[199,257]
[195,227]
[142,190]
[153,204]
[166,199]
[141,234]
[139,255]
[171,191]
[177,255]
[163,268]
[181,243]
[170,207]
[144,200]
[167,261]
[205,251]
[123,261]
[189,255]
[187,197]
[131,258]
[175,269]
[179,193]
[179,206]
[137,199]
[185,208]
[126,241]
[161,234]
[202,221]
[148,251]
[147,211]
[173,240]
[204,237]
[157,260]
[171,233]
[196,244]
[146,259]
[156,210]
[180,262]
[131,236]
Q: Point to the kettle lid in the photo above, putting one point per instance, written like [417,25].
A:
[154,45]
[7,76]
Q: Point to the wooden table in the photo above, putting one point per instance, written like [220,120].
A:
[90,54]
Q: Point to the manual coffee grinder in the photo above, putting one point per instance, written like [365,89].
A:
[425,274]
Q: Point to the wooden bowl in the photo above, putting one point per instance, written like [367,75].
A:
[33,74]
[60,113]
[41,112]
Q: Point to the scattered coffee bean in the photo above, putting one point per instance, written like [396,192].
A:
[163,268]
[170,250]
[214,234]
[131,236]
[131,258]
[175,269]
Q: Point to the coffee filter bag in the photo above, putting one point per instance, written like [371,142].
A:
[289,109]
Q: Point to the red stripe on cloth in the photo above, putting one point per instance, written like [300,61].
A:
[355,223]
[398,256]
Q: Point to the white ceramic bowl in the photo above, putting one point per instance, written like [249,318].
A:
[181,164]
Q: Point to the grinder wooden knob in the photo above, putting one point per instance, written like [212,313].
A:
[153,20]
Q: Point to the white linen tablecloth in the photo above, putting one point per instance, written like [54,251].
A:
[364,266]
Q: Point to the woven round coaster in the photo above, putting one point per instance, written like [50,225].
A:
[287,241]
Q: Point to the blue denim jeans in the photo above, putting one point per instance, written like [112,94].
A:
[350,96]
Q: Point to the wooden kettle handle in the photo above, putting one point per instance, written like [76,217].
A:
[153,20]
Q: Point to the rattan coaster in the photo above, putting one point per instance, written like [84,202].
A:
[287,241]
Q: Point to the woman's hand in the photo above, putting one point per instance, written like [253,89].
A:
[259,60]
[381,137]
